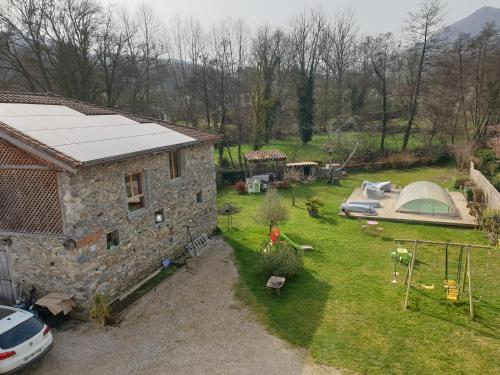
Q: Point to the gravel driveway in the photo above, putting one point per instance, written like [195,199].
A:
[191,324]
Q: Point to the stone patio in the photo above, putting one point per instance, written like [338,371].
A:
[387,211]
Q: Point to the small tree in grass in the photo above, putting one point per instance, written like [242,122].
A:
[293,177]
[272,211]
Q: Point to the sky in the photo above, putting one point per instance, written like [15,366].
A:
[373,16]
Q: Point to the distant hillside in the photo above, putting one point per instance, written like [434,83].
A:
[474,23]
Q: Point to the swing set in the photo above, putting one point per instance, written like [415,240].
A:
[452,285]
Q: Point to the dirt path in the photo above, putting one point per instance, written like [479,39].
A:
[191,325]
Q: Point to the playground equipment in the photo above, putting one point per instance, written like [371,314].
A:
[287,239]
[277,234]
[453,287]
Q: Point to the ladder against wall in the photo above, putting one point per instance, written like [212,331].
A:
[192,248]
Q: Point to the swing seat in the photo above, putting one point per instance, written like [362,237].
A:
[451,290]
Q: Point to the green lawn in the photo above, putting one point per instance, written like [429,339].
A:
[294,149]
[343,307]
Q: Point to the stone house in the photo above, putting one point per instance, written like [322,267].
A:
[92,199]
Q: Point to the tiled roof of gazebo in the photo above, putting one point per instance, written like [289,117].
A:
[264,155]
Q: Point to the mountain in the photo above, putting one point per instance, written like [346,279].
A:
[474,23]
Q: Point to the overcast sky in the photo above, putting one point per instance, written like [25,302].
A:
[373,15]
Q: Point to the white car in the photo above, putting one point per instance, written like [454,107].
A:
[23,339]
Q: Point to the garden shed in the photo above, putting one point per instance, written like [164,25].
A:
[427,198]
[264,161]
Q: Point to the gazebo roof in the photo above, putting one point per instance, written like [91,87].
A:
[264,155]
[302,164]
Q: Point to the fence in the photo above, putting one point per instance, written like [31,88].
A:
[491,195]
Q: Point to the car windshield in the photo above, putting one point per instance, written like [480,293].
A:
[20,333]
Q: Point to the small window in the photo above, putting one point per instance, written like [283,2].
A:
[174,163]
[199,197]
[112,239]
[135,191]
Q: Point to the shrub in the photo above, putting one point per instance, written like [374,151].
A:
[231,176]
[490,223]
[459,182]
[477,194]
[280,260]
[284,185]
[463,154]
[241,187]
[493,168]
[99,310]
[469,195]
[495,180]
[485,155]
[402,160]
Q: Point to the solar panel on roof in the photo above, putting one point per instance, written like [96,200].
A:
[87,138]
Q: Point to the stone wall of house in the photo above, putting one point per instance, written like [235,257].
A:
[94,202]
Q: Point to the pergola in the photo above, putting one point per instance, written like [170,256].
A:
[253,158]
[305,168]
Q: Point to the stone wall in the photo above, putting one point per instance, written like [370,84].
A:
[94,202]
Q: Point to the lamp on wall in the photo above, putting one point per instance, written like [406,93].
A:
[159,216]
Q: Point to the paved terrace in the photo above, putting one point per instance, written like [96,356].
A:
[387,211]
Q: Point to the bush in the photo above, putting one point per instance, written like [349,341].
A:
[241,187]
[485,155]
[280,260]
[231,176]
[469,195]
[463,154]
[283,185]
[493,168]
[460,182]
[433,154]
[490,223]
[495,180]
[99,310]
[403,160]
[477,194]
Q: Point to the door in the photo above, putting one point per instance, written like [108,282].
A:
[7,290]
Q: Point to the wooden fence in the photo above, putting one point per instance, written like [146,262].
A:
[491,195]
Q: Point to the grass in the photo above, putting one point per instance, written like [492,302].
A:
[294,149]
[344,309]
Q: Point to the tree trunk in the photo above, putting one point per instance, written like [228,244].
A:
[414,104]
[384,116]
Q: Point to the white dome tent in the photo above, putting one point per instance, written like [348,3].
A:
[427,198]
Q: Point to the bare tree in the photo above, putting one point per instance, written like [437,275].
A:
[425,34]
[379,51]
[306,34]
[340,51]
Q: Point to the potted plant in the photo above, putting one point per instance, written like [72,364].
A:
[313,206]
